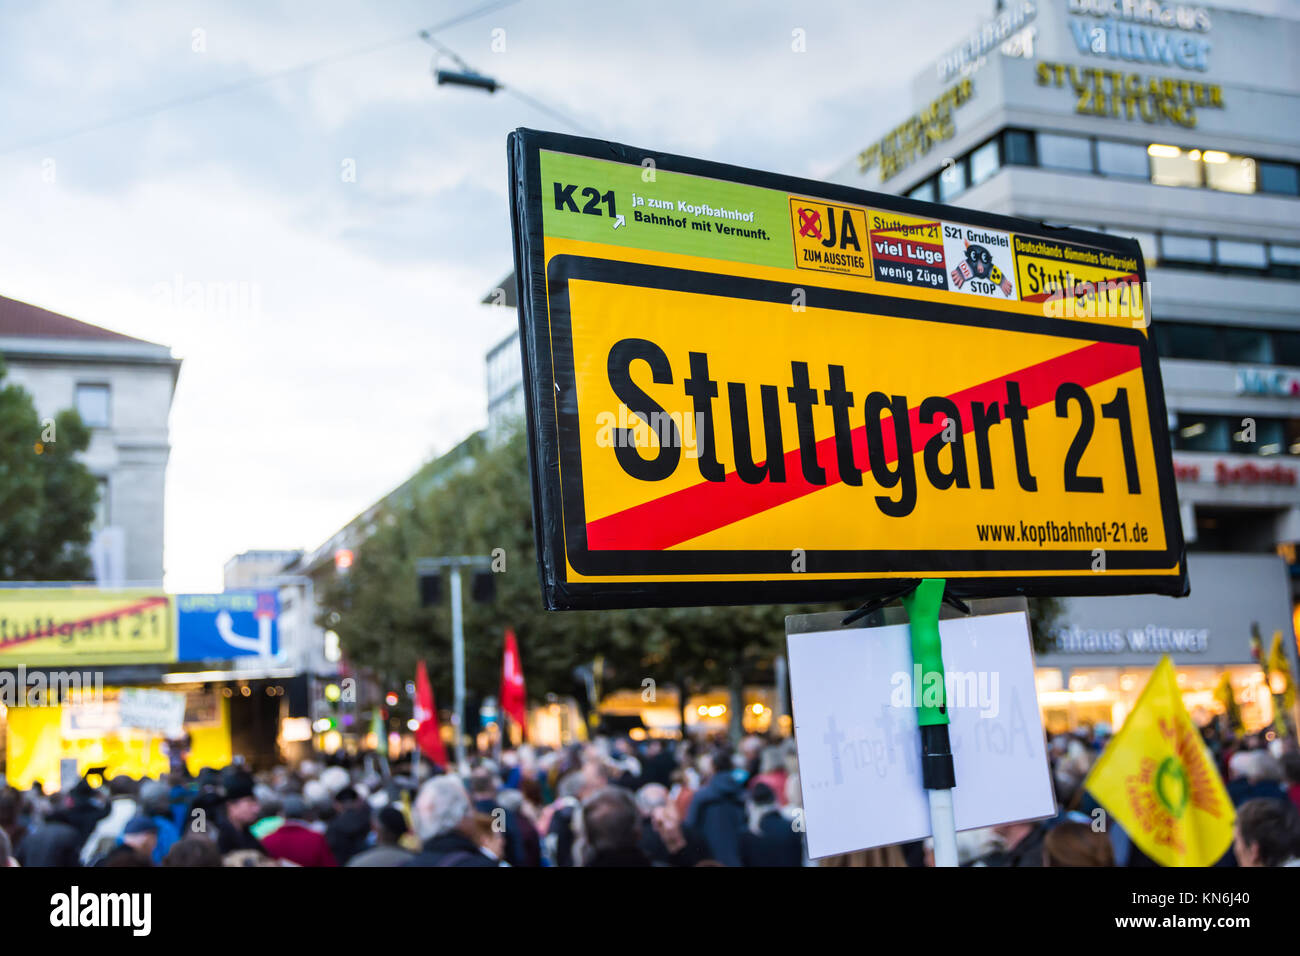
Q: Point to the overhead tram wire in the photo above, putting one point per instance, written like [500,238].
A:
[428,37]
[252,81]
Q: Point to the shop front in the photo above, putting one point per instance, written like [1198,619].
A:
[126,730]
[119,679]
[708,712]
[1103,650]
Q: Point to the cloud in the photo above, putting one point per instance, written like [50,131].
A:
[330,327]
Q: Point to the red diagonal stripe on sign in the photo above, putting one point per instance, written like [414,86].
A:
[709,505]
[116,612]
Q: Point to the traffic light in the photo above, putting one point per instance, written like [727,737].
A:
[483,588]
[430,588]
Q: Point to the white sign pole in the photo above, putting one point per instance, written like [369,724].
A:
[945,827]
[937,773]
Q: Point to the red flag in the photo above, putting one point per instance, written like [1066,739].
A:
[512,684]
[427,733]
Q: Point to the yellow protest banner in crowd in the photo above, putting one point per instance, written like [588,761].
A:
[1157,779]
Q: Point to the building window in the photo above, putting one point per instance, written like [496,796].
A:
[1246,255]
[1209,343]
[1219,434]
[1284,260]
[1122,159]
[1065,152]
[1017,148]
[1187,340]
[1159,163]
[984,162]
[1247,345]
[923,191]
[1147,240]
[952,181]
[1234,174]
[1286,348]
[1185,248]
[92,404]
[1277,178]
[102,513]
[1195,432]
[1270,439]
[1171,166]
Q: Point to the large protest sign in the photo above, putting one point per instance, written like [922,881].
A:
[748,388]
[228,625]
[80,627]
[144,708]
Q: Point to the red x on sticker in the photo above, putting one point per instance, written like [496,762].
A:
[810,223]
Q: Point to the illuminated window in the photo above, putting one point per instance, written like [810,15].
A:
[1171,166]
[1065,152]
[1234,174]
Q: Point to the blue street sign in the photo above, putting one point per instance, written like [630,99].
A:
[233,624]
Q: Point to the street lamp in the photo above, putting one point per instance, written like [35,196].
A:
[465,75]
[461,78]
[428,570]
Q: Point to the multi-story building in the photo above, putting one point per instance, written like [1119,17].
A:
[1177,124]
[252,569]
[505,373]
[123,388]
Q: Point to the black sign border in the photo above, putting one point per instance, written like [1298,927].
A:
[549,405]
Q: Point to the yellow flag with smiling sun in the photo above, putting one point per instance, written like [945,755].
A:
[1157,779]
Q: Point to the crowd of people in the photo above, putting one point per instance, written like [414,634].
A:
[610,802]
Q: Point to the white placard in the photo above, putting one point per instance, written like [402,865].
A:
[146,709]
[859,744]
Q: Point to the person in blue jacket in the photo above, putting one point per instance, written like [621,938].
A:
[717,814]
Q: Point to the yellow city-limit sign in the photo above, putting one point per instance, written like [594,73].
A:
[72,627]
[844,392]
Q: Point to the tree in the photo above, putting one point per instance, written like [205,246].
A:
[47,496]
[485,509]
[1044,614]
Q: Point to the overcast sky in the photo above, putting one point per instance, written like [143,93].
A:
[355,351]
